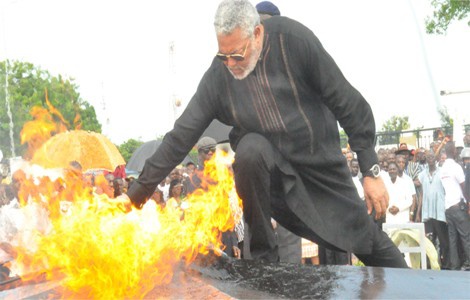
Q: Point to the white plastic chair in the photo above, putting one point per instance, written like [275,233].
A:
[390,228]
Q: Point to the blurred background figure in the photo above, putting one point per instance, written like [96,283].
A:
[267,9]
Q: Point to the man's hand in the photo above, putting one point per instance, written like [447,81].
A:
[236,252]
[376,196]
[123,202]
[393,210]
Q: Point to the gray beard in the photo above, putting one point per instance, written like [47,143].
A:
[251,65]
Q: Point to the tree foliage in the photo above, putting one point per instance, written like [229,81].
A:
[128,148]
[391,129]
[343,138]
[27,85]
[446,11]
[396,123]
[447,123]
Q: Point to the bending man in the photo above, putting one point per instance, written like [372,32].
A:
[283,94]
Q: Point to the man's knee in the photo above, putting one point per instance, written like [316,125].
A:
[252,149]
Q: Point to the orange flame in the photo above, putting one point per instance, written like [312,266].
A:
[43,126]
[102,252]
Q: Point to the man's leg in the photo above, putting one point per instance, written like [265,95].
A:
[462,223]
[254,163]
[453,238]
[289,244]
[443,236]
[384,252]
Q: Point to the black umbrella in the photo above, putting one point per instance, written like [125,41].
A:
[218,131]
[138,158]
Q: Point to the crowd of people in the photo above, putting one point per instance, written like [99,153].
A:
[429,185]
[284,95]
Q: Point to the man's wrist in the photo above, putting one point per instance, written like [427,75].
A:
[373,172]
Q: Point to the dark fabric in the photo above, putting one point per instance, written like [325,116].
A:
[293,99]
[458,223]
[437,230]
[194,181]
[332,257]
[290,245]
[259,181]
[229,239]
[467,180]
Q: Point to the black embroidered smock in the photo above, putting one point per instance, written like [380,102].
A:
[294,97]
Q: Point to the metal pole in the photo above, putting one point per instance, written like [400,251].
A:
[7,99]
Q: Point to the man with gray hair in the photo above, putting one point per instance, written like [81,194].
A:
[283,94]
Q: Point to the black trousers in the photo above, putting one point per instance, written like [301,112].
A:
[332,257]
[458,223]
[258,183]
[439,231]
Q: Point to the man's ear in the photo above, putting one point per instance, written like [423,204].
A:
[257,31]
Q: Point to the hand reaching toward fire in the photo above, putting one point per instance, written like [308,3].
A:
[123,202]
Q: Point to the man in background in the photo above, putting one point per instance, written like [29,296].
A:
[457,208]
[266,10]
[206,148]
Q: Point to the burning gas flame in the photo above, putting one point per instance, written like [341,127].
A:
[45,123]
[96,249]
[103,252]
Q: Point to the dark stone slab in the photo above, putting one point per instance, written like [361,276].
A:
[247,279]
[225,278]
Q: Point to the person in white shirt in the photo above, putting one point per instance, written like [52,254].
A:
[354,169]
[401,164]
[457,211]
[400,197]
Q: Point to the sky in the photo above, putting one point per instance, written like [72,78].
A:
[118,53]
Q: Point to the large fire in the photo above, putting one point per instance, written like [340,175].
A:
[101,251]
[46,122]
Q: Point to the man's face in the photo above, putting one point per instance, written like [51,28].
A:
[206,153]
[247,49]
[431,159]
[190,169]
[393,171]
[407,156]
[175,174]
[385,166]
[401,163]
[443,157]
[420,156]
[391,158]
[354,168]
[466,139]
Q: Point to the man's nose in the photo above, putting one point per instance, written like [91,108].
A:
[231,62]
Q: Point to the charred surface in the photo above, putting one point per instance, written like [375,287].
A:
[245,279]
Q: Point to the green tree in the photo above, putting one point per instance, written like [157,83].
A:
[396,123]
[128,148]
[27,85]
[343,138]
[445,11]
[447,123]
[391,129]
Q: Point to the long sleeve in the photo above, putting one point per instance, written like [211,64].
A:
[175,145]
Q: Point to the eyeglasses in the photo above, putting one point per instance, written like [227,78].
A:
[207,150]
[236,56]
